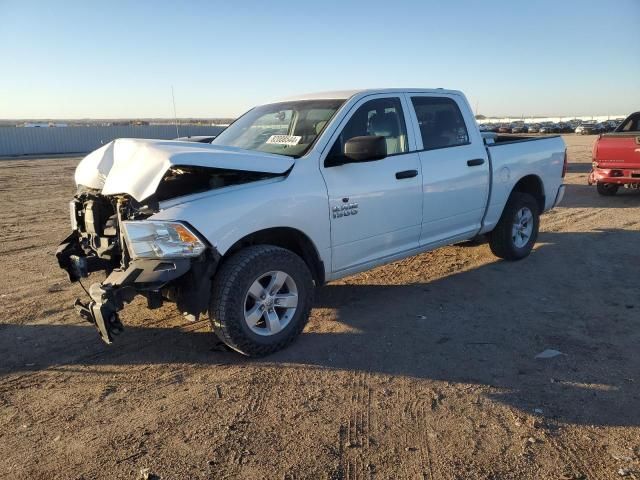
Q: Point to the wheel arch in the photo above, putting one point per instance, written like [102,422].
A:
[289,238]
[531,184]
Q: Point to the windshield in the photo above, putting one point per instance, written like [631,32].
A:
[287,128]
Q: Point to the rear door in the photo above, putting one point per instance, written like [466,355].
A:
[376,206]
[455,167]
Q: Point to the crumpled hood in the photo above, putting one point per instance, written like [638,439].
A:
[136,166]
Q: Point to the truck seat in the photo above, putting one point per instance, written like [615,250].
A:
[387,125]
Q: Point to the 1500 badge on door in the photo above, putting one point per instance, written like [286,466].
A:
[345,210]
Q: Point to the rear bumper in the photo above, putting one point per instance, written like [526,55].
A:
[618,176]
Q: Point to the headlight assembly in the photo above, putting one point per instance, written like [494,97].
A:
[155,239]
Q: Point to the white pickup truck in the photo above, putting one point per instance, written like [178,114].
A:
[295,194]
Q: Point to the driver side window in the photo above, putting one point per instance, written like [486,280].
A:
[380,117]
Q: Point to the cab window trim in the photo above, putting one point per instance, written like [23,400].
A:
[414,119]
[414,95]
[406,119]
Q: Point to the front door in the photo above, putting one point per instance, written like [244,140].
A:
[375,206]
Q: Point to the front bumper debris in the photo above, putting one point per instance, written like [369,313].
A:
[102,317]
[73,260]
[146,277]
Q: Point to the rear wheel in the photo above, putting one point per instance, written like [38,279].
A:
[261,299]
[517,231]
[607,189]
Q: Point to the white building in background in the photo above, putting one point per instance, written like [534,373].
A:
[584,118]
[43,124]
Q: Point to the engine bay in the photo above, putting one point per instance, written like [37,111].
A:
[186,180]
[96,217]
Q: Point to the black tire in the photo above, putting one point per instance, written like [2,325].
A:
[607,189]
[230,287]
[501,241]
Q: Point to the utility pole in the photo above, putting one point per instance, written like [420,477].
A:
[175,115]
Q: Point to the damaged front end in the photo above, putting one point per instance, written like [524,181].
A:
[159,260]
[120,187]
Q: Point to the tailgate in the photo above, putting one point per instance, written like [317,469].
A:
[618,151]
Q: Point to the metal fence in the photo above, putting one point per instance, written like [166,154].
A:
[47,140]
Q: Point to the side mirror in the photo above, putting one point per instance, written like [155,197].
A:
[365,149]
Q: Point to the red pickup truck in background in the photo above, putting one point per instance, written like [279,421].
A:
[616,158]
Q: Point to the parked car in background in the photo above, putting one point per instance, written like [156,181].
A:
[546,129]
[618,122]
[611,125]
[565,128]
[616,158]
[504,129]
[586,128]
[534,128]
[573,124]
[519,128]
[295,194]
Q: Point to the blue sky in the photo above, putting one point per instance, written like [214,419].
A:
[110,58]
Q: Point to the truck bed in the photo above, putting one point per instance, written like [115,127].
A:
[491,138]
[512,159]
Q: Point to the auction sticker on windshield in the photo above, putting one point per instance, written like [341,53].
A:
[284,140]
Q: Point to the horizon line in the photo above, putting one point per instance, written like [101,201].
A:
[228,117]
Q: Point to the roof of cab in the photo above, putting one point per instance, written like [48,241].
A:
[346,94]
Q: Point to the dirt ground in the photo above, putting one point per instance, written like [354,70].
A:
[422,369]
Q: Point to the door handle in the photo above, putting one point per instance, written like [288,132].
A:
[406,174]
[475,162]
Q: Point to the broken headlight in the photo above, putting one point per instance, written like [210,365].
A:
[153,239]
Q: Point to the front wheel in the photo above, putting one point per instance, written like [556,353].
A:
[517,231]
[607,189]
[261,299]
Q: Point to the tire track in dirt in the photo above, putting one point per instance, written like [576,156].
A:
[231,452]
[580,470]
[426,448]
[558,222]
[357,434]
[416,412]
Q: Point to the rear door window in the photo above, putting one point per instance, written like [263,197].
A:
[440,121]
